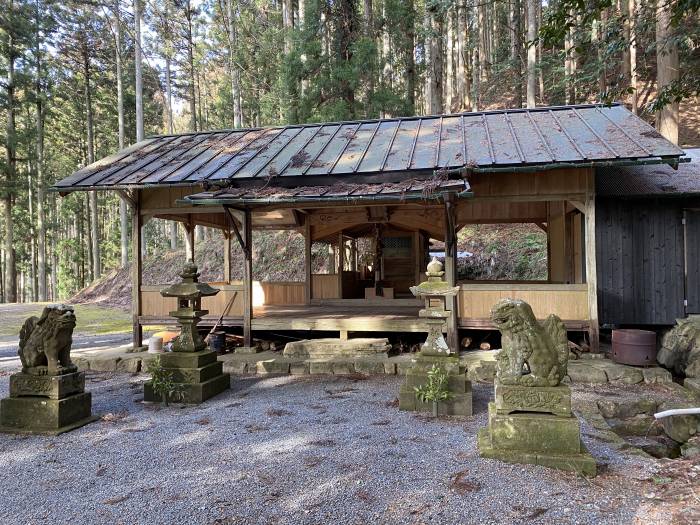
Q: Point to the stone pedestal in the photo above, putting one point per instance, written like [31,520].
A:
[46,404]
[535,425]
[199,375]
[460,401]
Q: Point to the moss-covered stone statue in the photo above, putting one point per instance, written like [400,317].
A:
[191,367]
[48,396]
[530,420]
[436,358]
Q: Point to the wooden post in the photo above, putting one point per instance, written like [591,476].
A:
[136,267]
[248,279]
[591,273]
[556,241]
[451,271]
[227,256]
[308,282]
[341,257]
[189,238]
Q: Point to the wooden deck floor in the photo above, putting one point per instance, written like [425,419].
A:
[333,317]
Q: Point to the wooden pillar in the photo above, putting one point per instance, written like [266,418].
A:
[227,256]
[248,279]
[591,273]
[341,257]
[136,269]
[556,241]
[451,271]
[189,238]
[308,279]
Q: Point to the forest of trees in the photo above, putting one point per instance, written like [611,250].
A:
[81,79]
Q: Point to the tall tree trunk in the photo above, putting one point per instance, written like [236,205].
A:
[123,220]
[40,193]
[516,46]
[190,63]
[138,64]
[623,8]
[387,72]
[434,63]
[90,126]
[540,69]
[666,69]
[233,69]
[463,79]
[173,235]
[10,171]
[450,63]
[632,8]
[410,69]
[531,53]
[368,18]
[483,41]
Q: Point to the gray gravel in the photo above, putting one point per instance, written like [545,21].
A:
[295,451]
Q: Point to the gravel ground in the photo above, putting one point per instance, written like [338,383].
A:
[295,451]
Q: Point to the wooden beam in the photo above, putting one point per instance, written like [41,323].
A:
[127,197]
[451,271]
[592,274]
[341,257]
[308,279]
[136,270]
[556,241]
[248,280]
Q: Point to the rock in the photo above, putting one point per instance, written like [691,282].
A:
[680,348]
[337,348]
[584,372]
[369,366]
[618,373]
[104,364]
[238,367]
[343,367]
[131,365]
[680,428]
[658,447]
[657,375]
[484,371]
[321,367]
[691,448]
[692,384]
[626,408]
[273,366]
[639,425]
[389,367]
[299,368]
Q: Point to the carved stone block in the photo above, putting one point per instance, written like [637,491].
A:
[53,387]
[550,400]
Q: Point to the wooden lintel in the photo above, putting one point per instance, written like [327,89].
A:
[128,197]
[580,206]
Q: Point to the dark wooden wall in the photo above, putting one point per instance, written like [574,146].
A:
[640,260]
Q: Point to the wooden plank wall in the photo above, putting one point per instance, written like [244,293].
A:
[640,261]
[568,301]
[325,286]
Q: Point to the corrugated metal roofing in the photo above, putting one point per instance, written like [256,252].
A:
[520,137]
[345,191]
[657,180]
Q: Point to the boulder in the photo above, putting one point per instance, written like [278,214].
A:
[639,425]
[617,373]
[679,428]
[680,348]
[626,408]
[584,372]
[693,385]
[657,375]
[691,448]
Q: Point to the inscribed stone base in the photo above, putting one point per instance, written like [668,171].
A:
[460,388]
[546,399]
[40,415]
[53,387]
[198,375]
[535,438]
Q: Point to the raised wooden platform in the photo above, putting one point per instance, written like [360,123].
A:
[335,317]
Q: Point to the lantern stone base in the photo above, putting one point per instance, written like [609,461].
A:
[198,376]
[460,388]
[48,405]
[535,436]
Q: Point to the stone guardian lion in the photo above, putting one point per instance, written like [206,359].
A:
[532,354]
[45,342]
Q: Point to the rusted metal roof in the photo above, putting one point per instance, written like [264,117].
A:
[491,140]
[654,181]
[410,189]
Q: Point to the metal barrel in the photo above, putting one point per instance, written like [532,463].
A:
[634,347]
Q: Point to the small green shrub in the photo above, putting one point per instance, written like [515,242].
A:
[163,383]
[436,388]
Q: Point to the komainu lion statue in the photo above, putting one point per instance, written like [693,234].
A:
[45,342]
[532,354]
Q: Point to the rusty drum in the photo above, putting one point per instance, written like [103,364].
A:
[634,347]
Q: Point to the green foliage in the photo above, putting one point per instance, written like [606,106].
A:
[436,389]
[162,382]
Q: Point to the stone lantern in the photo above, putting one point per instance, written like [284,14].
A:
[435,292]
[435,351]
[189,311]
[193,367]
